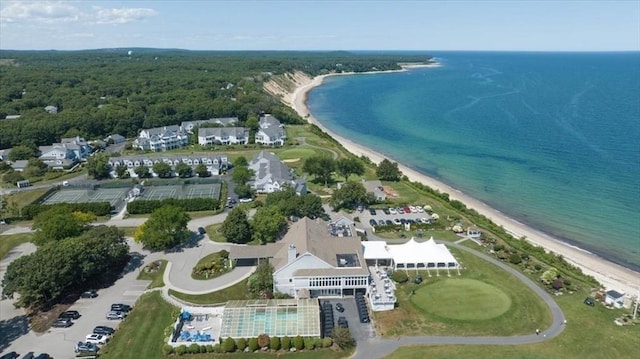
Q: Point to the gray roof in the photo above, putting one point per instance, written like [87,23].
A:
[614,294]
[271,126]
[223,132]
[161,130]
[267,166]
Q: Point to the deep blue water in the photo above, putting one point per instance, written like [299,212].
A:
[551,139]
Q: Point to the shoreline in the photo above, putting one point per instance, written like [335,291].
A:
[609,274]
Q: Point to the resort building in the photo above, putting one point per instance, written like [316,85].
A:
[161,139]
[215,164]
[271,131]
[272,175]
[66,154]
[223,136]
[188,126]
[310,262]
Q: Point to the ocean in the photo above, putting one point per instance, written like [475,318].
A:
[550,139]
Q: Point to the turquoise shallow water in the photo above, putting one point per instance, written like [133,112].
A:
[551,139]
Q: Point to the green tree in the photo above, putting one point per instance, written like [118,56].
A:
[57,223]
[22,152]
[228,345]
[142,171]
[165,228]
[98,166]
[261,280]
[298,342]
[348,166]
[236,227]
[268,223]
[202,171]
[309,205]
[241,175]
[184,170]
[388,171]
[320,166]
[35,168]
[350,195]
[162,169]
[253,344]
[243,191]
[121,171]
[12,177]
[240,161]
[342,337]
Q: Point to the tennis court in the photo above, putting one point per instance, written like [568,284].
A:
[112,195]
[158,193]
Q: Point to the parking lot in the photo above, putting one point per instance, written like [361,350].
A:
[359,331]
[366,216]
[60,342]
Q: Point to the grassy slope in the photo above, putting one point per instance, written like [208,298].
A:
[236,291]
[156,277]
[7,242]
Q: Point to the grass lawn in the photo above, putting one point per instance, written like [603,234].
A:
[11,240]
[511,307]
[208,260]
[590,333]
[156,276]
[23,198]
[462,299]
[128,231]
[237,291]
[313,354]
[214,233]
[141,335]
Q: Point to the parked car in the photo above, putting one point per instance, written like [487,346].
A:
[69,314]
[372,211]
[43,356]
[84,347]
[62,323]
[373,222]
[114,315]
[393,211]
[386,211]
[246,200]
[201,230]
[29,355]
[97,339]
[342,322]
[119,307]
[340,307]
[104,330]
[89,294]
[12,355]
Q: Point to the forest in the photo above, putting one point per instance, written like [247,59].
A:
[101,92]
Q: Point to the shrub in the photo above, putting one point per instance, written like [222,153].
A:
[498,247]
[275,343]
[537,266]
[399,276]
[228,345]
[567,282]
[342,337]
[327,342]
[317,342]
[181,350]
[298,343]
[167,349]
[515,258]
[285,343]
[211,348]
[263,340]
[253,344]
[309,343]
[241,344]
[217,348]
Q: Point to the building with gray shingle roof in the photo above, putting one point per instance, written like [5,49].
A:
[188,126]
[223,136]
[309,259]
[161,138]
[272,175]
[271,131]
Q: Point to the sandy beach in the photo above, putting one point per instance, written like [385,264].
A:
[610,275]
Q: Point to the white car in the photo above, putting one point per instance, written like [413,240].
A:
[413,209]
[97,339]
[245,200]
[420,209]
[393,211]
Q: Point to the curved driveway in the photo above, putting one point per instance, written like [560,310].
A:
[381,347]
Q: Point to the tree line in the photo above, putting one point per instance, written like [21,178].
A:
[99,93]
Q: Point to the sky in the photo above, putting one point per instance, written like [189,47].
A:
[507,25]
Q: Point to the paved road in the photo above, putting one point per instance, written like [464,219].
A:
[381,347]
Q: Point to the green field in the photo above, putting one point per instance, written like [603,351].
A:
[156,277]
[462,299]
[237,291]
[483,300]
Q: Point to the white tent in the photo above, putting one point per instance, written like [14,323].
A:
[427,255]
